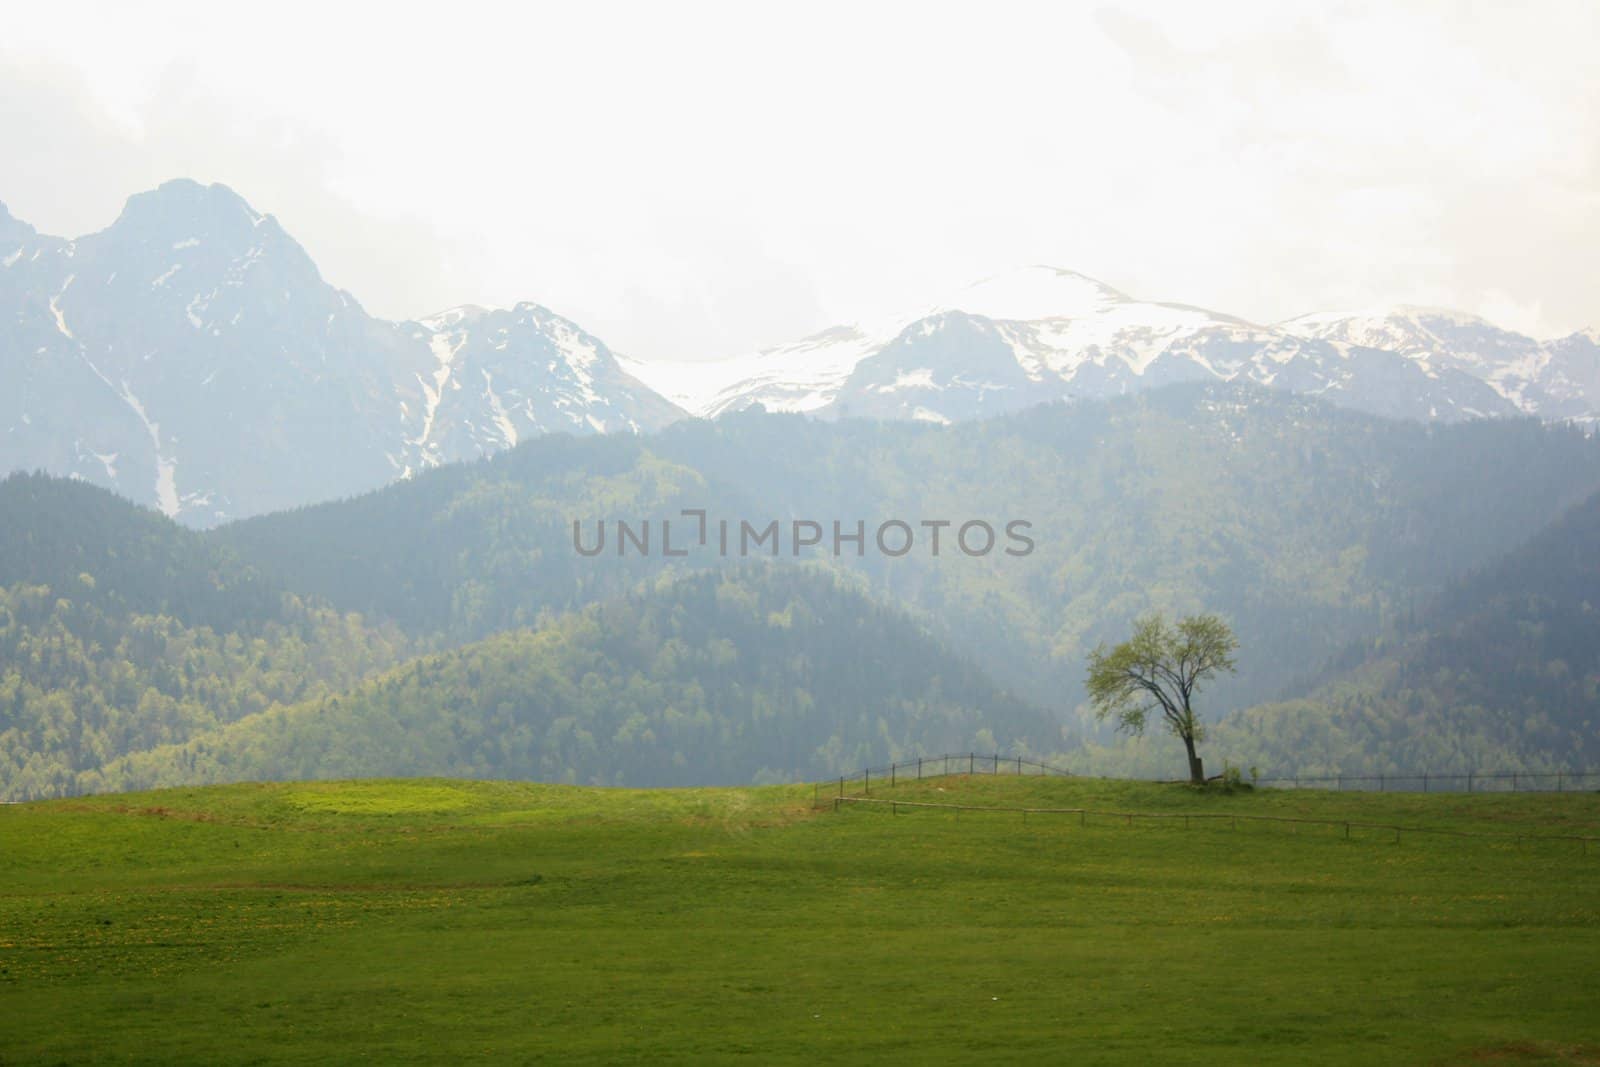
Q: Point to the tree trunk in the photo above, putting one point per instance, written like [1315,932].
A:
[1197,771]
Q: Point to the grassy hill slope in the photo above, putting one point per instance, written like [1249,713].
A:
[434,920]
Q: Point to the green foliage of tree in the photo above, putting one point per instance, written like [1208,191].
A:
[1159,670]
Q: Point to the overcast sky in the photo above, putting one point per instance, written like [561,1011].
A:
[690,181]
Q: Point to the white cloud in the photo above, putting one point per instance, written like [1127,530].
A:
[690,181]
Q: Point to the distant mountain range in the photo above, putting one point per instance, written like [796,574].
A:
[1042,334]
[190,356]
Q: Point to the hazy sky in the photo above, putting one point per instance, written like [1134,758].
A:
[691,180]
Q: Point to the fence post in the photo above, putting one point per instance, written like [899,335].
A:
[1469,781]
[972,761]
[919,768]
[841,789]
[1424,782]
[1019,766]
[1559,778]
[997,764]
[1383,786]
[1513,781]
[893,768]
[866,780]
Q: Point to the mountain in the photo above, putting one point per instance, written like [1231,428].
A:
[191,356]
[1553,379]
[1307,525]
[1501,672]
[57,531]
[765,674]
[121,630]
[505,375]
[1041,334]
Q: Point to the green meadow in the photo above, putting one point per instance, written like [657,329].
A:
[427,920]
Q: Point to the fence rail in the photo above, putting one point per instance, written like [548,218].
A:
[1128,818]
[1428,782]
[892,774]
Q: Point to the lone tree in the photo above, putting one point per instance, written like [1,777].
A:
[1160,668]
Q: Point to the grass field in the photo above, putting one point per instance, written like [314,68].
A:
[426,920]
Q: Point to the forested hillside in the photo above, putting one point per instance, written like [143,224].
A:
[763,674]
[1503,671]
[56,530]
[1308,527]
[1305,525]
[120,630]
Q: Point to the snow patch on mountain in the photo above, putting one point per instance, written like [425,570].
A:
[166,484]
[55,308]
[444,354]
[508,429]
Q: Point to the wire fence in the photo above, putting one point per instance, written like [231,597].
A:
[856,789]
[1426,782]
[1102,817]
[891,774]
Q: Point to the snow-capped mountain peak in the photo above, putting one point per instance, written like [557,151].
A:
[1049,320]
[1555,379]
[1041,333]
[190,355]
[1408,328]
